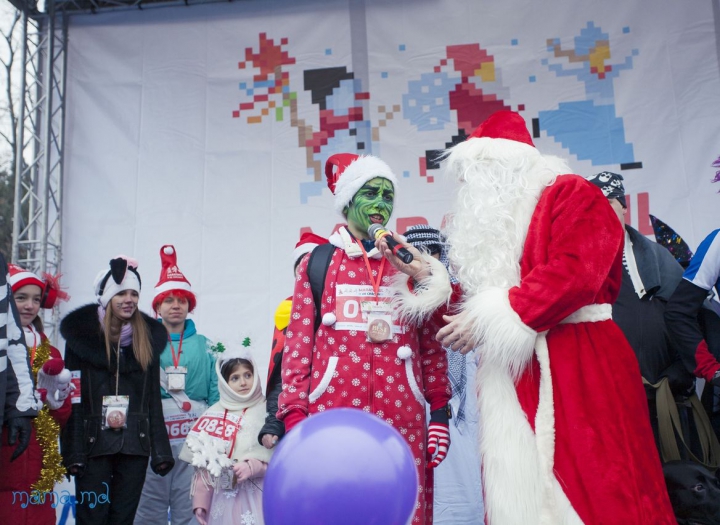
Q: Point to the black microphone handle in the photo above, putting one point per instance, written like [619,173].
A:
[400,251]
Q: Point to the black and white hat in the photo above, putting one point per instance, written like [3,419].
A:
[122,275]
[611,185]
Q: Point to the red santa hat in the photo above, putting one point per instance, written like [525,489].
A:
[506,125]
[346,173]
[503,138]
[307,243]
[172,280]
[49,285]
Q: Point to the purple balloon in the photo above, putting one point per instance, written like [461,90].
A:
[341,466]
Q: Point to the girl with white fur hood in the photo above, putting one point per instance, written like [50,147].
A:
[230,463]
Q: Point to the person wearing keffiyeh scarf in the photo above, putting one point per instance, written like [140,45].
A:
[426,238]
[457,481]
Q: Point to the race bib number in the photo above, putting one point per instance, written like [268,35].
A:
[75,395]
[353,302]
[178,426]
[219,426]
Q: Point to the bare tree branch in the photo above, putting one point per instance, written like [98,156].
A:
[8,35]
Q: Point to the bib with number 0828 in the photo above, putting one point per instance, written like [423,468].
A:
[356,308]
[219,426]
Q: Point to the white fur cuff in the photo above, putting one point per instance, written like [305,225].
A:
[504,339]
[429,293]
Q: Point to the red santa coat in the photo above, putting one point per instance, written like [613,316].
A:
[24,471]
[602,467]
[339,368]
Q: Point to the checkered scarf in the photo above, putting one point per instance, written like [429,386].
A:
[421,237]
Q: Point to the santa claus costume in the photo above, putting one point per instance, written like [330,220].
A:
[337,366]
[565,432]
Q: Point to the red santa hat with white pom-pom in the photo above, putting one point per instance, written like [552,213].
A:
[172,279]
[346,173]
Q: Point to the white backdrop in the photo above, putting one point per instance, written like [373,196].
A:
[154,154]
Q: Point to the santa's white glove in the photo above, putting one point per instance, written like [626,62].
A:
[56,381]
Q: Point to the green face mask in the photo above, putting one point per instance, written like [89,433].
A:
[373,203]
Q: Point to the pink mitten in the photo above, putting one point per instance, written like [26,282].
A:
[242,471]
[249,469]
[57,381]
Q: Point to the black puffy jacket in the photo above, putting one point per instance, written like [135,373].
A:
[83,436]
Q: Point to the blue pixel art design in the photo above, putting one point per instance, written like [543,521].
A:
[462,90]
[590,129]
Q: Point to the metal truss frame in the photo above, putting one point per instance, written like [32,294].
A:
[37,214]
[39,150]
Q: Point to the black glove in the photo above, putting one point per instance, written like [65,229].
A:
[19,430]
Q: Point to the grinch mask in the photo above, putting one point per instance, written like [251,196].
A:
[373,203]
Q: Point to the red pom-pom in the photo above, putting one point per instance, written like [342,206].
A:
[53,367]
[52,292]
[186,406]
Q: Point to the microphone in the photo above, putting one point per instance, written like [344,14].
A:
[376,231]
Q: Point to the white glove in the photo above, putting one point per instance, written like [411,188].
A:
[56,380]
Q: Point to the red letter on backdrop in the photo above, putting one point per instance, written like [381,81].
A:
[404,223]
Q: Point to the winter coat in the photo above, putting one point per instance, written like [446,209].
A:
[200,380]
[642,319]
[83,437]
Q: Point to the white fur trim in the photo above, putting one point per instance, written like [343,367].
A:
[365,168]
[325,381]
[591,313]
[513,483]
[545,431]
[304,248]
[504,339]
[412,383]
[568,515]
[487,149]
[429,293]
[510,468]
[172,285]
[343,240]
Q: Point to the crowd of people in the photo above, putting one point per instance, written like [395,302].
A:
[538,355]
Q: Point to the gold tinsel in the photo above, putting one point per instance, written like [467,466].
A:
[47,431]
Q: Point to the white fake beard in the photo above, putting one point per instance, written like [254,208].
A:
[501,182]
